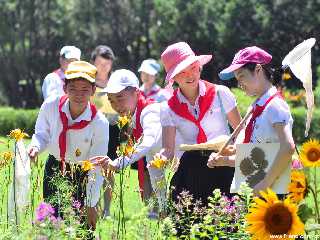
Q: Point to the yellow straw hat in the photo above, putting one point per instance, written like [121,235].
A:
[81,69]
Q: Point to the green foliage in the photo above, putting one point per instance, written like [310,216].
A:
[11,118]
[32,33]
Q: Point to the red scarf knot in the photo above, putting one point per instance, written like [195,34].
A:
[205,102]
[63,135]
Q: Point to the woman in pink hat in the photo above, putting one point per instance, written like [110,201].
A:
[197,112]
[270,120]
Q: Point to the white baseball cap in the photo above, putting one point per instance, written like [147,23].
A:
[70,52]
[149,66]
[120,79]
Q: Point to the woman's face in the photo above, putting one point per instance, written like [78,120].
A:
[189,77]
[124,102]
[248,80]
[104,67]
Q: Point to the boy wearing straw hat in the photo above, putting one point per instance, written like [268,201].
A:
[72,130]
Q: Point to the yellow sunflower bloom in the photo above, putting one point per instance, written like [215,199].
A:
[310,153]
[298,186]
[158,163]
[17,134]
[6,159]
[87,165]
[270,216]
[123,121]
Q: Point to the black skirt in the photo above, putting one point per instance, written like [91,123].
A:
[194,176]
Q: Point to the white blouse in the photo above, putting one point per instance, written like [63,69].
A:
[277,111]
[214,123]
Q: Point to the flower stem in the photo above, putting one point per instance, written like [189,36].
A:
[315,195]
[14,185]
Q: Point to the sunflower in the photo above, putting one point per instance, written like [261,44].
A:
[123,121]
[270,216]
[310,153]
[158,162]
[87,165]
[298,186]
[17,134]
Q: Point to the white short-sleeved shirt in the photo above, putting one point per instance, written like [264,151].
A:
[214,123]
[159,95]
[91,141]
[277,111]
[53,84]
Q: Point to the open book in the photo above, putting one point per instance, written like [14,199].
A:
[213,145]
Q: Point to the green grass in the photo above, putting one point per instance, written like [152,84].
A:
[133,204]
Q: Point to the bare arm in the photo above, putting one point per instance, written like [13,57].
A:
[234,117]
[168,141]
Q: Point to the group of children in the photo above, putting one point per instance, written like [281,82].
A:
[72,129]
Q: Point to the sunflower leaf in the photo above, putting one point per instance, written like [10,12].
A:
[305,212]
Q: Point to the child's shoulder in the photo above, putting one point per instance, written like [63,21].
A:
[278,104]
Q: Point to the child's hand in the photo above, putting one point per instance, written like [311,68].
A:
[229,150]
[105,162]
[219,161]
[33,153]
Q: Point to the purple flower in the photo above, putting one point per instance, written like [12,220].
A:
[43,211]
[76,204]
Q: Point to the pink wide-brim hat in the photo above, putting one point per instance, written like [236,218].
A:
[179,56]
[251,54]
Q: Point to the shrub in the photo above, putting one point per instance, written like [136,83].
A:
[11,118]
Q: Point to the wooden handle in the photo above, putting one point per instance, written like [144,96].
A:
[235,132]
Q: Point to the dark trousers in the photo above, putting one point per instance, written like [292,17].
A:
[194,176]
[76,178]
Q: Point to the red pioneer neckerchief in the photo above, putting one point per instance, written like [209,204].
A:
[256,112]
[181,109]
[65,128]
[137,133]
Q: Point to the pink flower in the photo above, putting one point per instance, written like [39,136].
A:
[296,164]
[43,211]
[76,204]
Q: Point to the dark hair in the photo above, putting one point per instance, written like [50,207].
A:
[103,51]
[274,75]
[67,81]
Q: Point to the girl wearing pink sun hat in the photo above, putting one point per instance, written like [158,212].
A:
[197,112]
[270,119]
